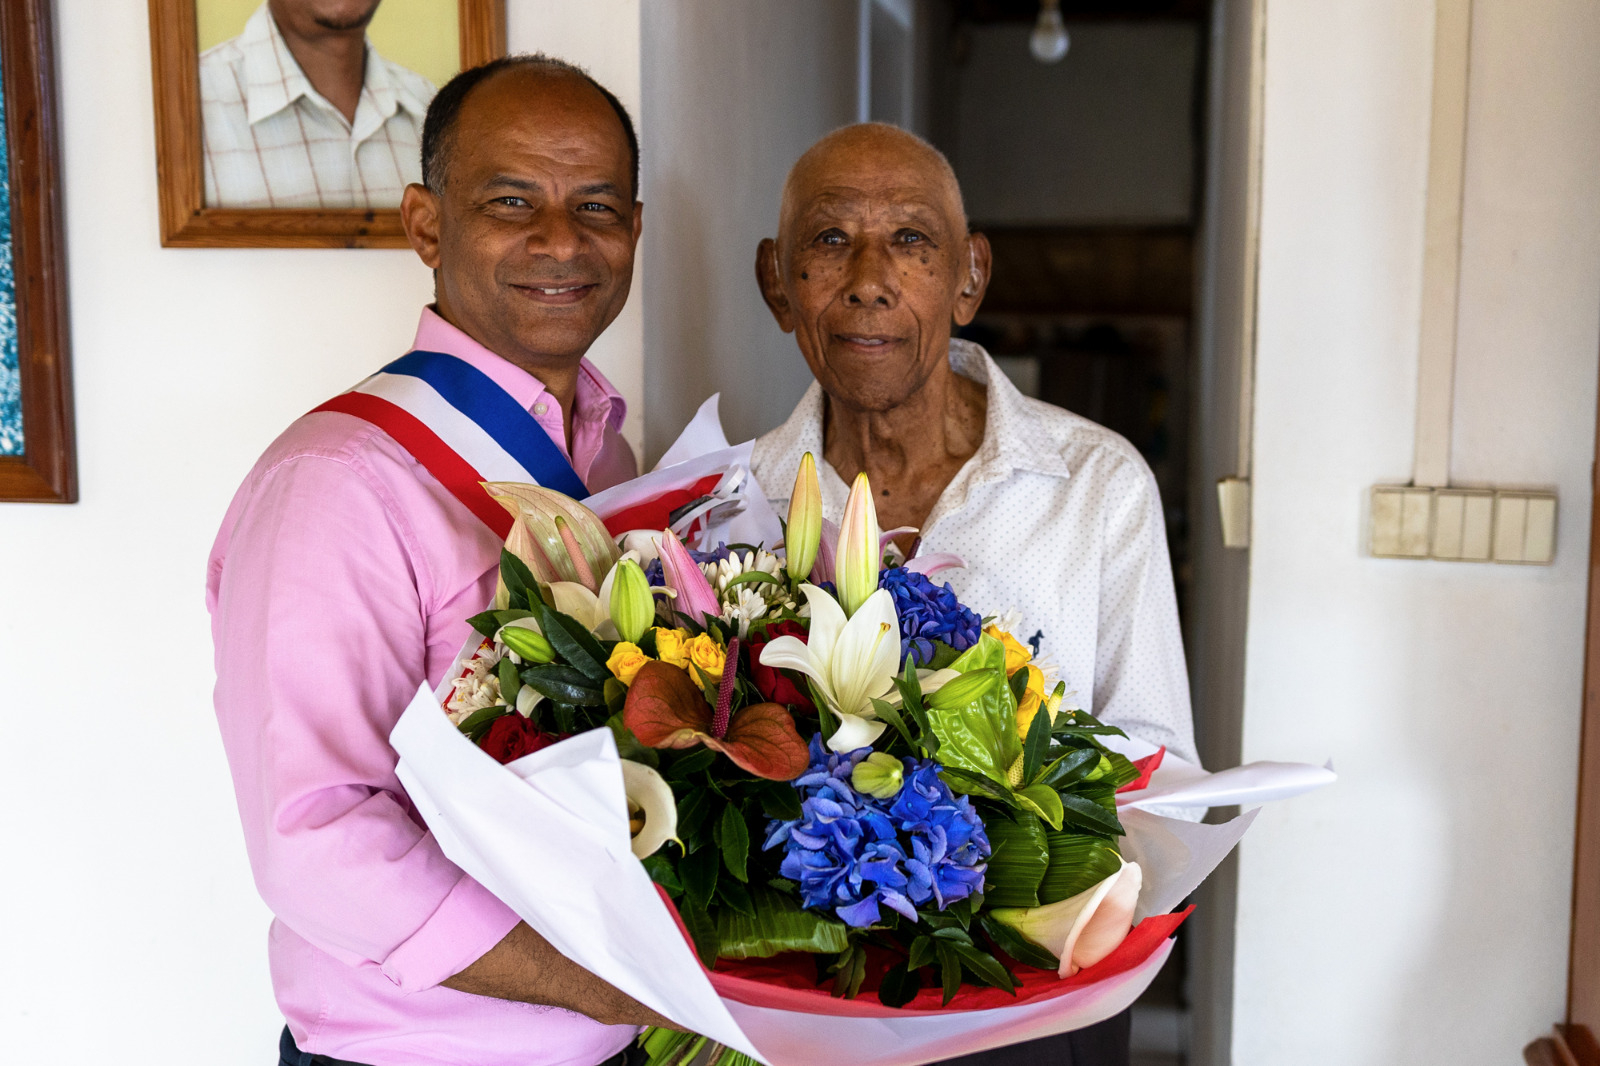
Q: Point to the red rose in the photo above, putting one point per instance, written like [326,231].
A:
[775,684]
[512,736]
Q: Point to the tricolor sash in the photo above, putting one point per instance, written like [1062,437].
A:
[463,428]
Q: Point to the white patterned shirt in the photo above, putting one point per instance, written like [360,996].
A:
[273,141]
[1059,519]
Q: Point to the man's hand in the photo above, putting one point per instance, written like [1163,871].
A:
[524,967]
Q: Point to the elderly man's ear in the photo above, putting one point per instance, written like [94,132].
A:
[419,216]
[980,260]
[770,278]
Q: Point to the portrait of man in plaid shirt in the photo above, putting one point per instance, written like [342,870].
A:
[300,110]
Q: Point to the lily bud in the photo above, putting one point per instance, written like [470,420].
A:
[878,775]
[633,609]
[680,572]
[856,567]
[964,690]
[526,642]
[803,536]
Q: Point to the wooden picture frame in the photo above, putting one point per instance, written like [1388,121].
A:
[46,472]
[185,220]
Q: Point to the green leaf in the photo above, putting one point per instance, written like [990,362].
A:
[693,810]
[949,969]
[509,681]
[943,656]
[659,867]
[1017,863]
[558,688]
[1043,801]
[735,896]
[489,622]
[780,800]
[899,986]
[980,737]
[985,967]
[1036,745]
[778,924]
[691,763]
[478,722]
[572,641]
[1016,945]
[1077,861]
[753,575]
[1071,768]
[892,716]
[703,931]
[966,783]
[1086,813]
[1019,685]
[628,745]
[518,578]
[699,872]
[1115,771]
[849,970]
[735,840]
[616,695]
[921,953]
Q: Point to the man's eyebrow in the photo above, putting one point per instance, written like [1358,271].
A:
[600,188]
[509,182]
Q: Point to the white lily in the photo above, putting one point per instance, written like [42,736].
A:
[1083,929]
[850,661]
[652,812]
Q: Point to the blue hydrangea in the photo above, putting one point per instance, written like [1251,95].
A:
[853,853]
[928,612]
[654,574]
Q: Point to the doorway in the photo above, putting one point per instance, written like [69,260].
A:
[1115,183]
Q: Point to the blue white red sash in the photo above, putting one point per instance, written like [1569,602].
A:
[463,428]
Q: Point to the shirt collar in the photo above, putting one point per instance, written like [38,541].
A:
[596,400]
[273,80]
[1014,435]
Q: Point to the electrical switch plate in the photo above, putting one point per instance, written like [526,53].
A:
[1402,518]
[1524,527]
[1463,524]
[1233,500]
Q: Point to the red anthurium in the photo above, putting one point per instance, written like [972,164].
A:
[666,709]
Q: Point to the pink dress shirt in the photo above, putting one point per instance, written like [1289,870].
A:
[341,579]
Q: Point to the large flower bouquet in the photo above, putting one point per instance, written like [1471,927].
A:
[876,816]
[823,755]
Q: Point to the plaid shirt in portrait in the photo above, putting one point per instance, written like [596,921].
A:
[271,140]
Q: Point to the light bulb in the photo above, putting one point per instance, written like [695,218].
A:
[1049,42]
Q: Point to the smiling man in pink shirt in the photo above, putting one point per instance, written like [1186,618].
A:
[343,576]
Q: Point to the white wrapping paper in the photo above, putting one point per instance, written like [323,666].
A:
[548,834]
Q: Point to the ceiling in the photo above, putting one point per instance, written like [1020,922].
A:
[984,11]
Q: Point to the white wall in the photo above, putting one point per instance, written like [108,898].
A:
[734,92]
[1112,124]
[1417,911]
[131,930]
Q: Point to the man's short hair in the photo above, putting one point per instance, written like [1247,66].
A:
[438,129]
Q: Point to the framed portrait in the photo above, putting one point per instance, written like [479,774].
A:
[298,123]
[36,442]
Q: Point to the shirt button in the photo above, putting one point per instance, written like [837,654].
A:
[540,408]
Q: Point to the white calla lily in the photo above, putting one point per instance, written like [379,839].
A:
[651,809]
[851,661]
[1083,929]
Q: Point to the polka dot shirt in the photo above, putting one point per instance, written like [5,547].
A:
[1058,519]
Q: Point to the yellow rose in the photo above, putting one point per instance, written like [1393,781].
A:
[1017,655]
[672,647]
[708,656]
[1032,698]
[626,661]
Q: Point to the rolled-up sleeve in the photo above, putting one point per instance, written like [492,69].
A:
[320,632]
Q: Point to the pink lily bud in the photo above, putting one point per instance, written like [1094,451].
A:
[680,572]
[856,568]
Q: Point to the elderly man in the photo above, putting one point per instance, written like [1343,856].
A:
[1056,517]
[358,546]
[300,110]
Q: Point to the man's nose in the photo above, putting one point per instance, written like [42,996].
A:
[554,233]
[872,281]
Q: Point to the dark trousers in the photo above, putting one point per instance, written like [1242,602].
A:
[1105,1044]
[289,1054]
